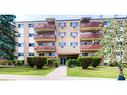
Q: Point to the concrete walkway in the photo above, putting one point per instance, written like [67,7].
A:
[58,74]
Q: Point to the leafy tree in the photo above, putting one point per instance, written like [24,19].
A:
[7,36]
[114,43]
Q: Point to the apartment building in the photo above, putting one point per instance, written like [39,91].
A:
[58,38]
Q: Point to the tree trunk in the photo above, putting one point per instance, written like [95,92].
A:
[121,75]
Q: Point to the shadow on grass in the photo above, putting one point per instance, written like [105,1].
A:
[91,69]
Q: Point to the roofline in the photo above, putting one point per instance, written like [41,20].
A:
[66,20]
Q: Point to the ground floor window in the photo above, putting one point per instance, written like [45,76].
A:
[85,54]
[41,54]
[20,54]
[31,54]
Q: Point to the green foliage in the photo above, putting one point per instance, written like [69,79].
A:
[95,61]
[20,62]
[56,63]
[114,64]
[85,61]
[7,37]
[78,63]
[71,63]
[114,42]
[30,61]
[50,62]
[6,62]
[38,61]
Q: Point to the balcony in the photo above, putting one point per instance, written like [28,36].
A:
[90,26]
[44,27]
[90,47]
[91,36]
[45,38]
[44,48]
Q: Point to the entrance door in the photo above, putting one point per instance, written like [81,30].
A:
[63,61]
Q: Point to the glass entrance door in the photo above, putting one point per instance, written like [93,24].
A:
[63,61]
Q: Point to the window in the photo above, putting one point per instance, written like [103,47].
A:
[20,44]
[51,44]
[84,54]
[31,44]
[41,54]
[62,24]
[119,53]
[20,54]
[51,54]
[62,44]
[74,44]
[31,34]
[31,54]
[20,25]
[85,43]
[74,24]
[119,43]
[42,44]
[31,25]
[20,35]
[62,34]
[106,23]
[74,34]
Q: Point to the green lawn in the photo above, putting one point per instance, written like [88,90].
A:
[99,72]
[25,70]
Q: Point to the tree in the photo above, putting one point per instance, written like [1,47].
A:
[114,43]
[7,36]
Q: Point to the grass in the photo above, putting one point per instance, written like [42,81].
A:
[99,72]
[25,70]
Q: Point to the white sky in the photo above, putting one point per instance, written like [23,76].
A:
[40,9]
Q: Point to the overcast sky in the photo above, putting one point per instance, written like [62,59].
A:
[27,10]
[58,17]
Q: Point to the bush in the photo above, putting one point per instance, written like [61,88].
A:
[50,62]
[71,63]
[113,64]
[20,62]
[85,61]
[78,63]
[6,62]
[30,61]
[39,61]
[56,63]
[96,61]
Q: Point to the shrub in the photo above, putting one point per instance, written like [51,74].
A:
[85,61]
[6,62]
[50,62]
[20,62]
[96,61]
[39,61]
[56,63]
[113,64]
[30,62]
[71,63]
[78,63]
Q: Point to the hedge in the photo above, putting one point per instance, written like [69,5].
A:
[6,62]
[39,62]
[85,61]
[20,62]
[30,61]
[71,63]
[96,61]
[56,63]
